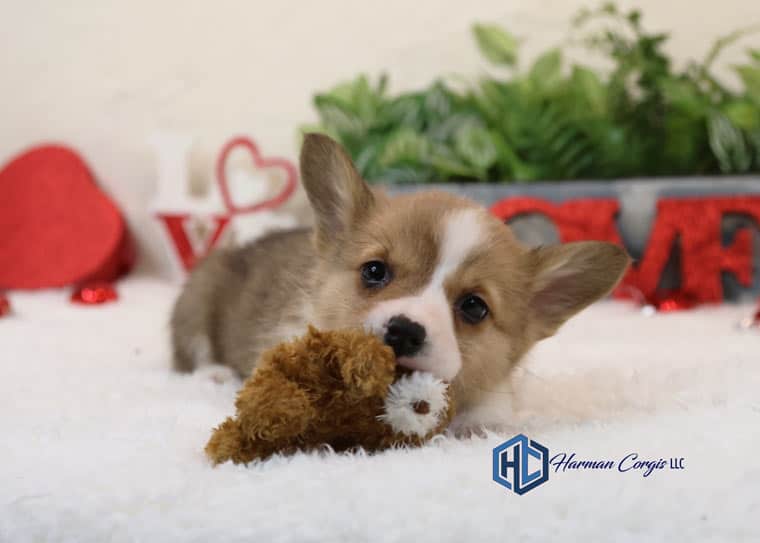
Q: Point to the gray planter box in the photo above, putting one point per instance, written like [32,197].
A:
[637,199]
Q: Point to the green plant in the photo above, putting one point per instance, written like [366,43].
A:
[642,118]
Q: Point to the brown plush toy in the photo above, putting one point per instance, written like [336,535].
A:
[339,388]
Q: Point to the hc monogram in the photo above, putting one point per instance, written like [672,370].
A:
[511,462]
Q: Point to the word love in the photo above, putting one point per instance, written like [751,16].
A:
[693,225]
[630,462]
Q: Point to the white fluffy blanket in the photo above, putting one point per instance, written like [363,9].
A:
[100,442]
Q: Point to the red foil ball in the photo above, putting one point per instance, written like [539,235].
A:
[664,301]
[5,306]
[673,301]
[95,293]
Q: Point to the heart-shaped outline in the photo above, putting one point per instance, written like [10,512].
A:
[260,162]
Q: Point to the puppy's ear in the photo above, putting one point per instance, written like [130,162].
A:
[338,195]
[570,277]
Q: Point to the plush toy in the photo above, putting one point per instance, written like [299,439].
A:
[338,388]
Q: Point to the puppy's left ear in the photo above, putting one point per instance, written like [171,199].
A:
[570,277]
[337,193]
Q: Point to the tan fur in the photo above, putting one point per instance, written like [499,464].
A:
[287,281]
[245,300]
[326,388]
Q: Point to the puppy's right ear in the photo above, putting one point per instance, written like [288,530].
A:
[339,196]
[569,277]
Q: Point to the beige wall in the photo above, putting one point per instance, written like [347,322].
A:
[105,75]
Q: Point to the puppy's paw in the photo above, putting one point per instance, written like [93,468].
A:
[216,373]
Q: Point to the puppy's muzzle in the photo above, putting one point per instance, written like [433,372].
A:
[404,335]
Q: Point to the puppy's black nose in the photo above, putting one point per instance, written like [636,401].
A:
[404,335]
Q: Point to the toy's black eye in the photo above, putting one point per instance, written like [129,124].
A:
[375,274]
[472,308]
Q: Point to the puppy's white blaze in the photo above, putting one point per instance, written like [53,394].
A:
[462,232]
[404,393]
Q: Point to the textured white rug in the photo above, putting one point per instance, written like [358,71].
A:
[100,442]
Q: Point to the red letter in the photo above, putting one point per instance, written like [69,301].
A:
[576,220]
[175,225]
[697,222]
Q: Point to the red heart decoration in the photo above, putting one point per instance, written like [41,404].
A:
[56,226]
[260,162]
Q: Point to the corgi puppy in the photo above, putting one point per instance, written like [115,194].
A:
[437,277]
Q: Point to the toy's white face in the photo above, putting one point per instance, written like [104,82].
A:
[415,404]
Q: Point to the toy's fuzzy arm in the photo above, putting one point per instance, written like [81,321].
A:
[367,366]
[364,380]
[270,407]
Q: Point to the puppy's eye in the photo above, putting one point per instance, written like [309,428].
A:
[375,274]
[472,308]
